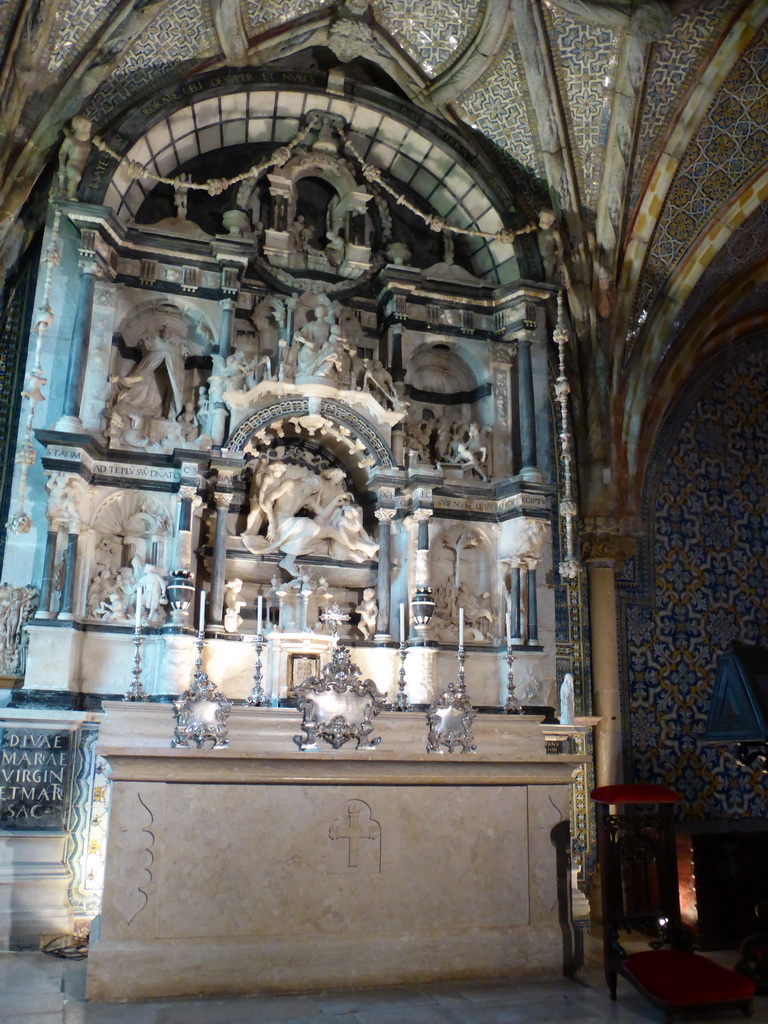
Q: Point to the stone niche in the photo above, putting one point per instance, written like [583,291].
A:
[339,868]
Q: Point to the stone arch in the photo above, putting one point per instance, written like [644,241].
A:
[263,107]
[343,431]
[441,368]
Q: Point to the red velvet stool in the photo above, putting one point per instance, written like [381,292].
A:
[638,864]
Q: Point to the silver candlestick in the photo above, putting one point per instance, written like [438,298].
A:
[257,697]
[512,704]
[136,691]
[401,702]
[461,657]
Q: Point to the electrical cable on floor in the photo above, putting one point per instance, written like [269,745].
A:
[72,949]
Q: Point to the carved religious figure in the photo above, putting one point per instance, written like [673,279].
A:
[155,386]
[300,512]
[73,155]
[567,700]
[232,605]
[317,353]
[368,610]
[16,606]
[153,594]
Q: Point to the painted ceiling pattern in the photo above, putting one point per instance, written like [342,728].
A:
[77,22]
[731,261]
[672,68]
[179,34]
[6,18]
[709,587]
[730,143]
[498,107]
[585,58]
[433,32]
[266,14]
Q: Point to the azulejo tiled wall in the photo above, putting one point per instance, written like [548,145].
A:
[700,582]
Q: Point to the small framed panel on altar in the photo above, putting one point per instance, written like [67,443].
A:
[302,666]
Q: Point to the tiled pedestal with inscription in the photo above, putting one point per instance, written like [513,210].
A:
[338,868]
[34,768]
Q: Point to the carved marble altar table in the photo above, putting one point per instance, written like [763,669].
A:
[260,867]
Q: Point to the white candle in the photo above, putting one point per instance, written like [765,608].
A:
[139,601]
[259,605]
[201,621]
[461,627]
[402,622]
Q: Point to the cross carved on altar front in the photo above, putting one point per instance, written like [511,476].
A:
[354,832]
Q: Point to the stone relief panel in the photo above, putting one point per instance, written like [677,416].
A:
[129,545]
[153,401]
[461,560]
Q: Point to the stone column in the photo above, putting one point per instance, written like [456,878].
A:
[515,601]
[287,339]
[422,589]
[223,500]
[46,585]
[187,496]
[602,551]
[384,582]
[78,346]
[527,405]
[532,618]
[70,574]
[396,341]
[502,411]
[227,307]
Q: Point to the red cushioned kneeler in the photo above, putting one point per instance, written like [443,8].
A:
[636,847]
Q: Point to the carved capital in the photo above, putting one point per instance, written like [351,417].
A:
[527,537]
[385,515]
[66,501]
[190,493]
[603,541]
[422,515]
[223,499]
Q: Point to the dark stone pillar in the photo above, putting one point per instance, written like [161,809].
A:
[533,615]
[46,585]
[216,606]
[527,405]
[78,349]
[384,582]
[70,571]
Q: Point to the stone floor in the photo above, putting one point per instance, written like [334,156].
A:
[39,989]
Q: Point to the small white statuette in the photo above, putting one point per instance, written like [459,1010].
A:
[566,700]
